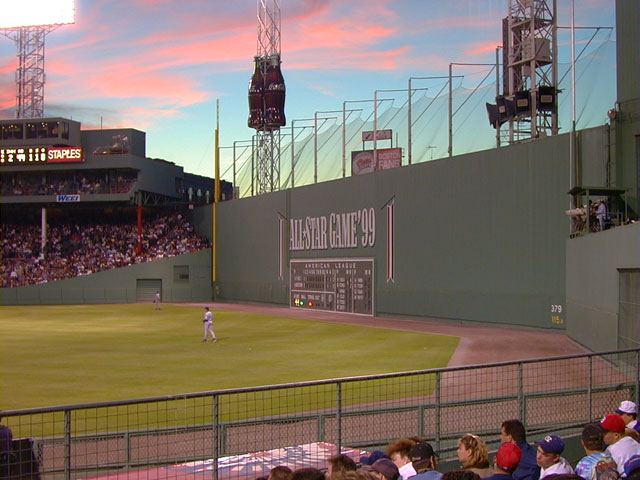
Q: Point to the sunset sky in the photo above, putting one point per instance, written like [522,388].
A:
[160,65]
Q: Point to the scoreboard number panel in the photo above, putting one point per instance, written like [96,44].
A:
[40,155]
[334,285]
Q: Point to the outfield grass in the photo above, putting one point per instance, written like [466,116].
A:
[58,355]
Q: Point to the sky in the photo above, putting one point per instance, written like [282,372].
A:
[160,66]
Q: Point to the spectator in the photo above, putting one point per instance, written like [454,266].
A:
[423,459]
[340,463]
[6,438]
[375,455]
[398,451]
[357,475]
[460,475]
[548,457]
[506,461]
[601,214]
[629,413]
[621,447]
[74,250]
[632,468]
[281,472]
[594,446]
[513,431]
[383,469]
[306,473]
[473,455]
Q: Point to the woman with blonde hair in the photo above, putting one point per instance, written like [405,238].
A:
[473,455]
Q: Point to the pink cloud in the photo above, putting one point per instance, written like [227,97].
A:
[481,48]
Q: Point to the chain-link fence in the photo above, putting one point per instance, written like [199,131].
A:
[251,430]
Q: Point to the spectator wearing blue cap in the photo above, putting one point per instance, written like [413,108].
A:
[371,459]
[549,457]
[513,431]
[596,461]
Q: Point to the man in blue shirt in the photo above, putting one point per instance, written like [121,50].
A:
[594,446]
[423,459]
[513,432]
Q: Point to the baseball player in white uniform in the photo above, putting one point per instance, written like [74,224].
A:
[156,300]
[208,325]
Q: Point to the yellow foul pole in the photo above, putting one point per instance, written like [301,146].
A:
[216,197]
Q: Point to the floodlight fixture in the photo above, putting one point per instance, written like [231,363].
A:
[33,13]
[27,23]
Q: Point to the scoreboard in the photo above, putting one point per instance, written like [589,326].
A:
[335,285]
[40,155]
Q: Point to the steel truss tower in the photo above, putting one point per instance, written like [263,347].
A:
[531,68]
[268,139]
[30,76]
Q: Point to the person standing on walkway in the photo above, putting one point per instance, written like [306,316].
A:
[208,325]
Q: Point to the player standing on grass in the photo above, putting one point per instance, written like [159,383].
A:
[156,300]
[208,325]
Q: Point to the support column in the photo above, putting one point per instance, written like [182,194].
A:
[43,233]
[139,246]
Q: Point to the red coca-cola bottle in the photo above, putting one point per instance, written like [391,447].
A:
[256,96]
[274,95]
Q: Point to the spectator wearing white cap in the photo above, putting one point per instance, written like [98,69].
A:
[621,447]
[549,457]
[629,413]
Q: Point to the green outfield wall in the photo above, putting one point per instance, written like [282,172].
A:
[183,278]
[602,288]
[473,238]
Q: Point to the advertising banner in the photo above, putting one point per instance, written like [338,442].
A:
[380,135]
[362,161]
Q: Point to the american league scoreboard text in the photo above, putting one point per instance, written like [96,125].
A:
[335,285]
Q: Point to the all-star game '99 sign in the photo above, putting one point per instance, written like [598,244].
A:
[335,285]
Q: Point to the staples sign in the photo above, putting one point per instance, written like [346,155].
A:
[64,154]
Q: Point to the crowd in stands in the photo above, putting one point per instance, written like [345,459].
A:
[81,249]
[611,449]
[33,184]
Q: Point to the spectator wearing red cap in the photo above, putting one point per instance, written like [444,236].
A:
[621,447]
[513,431]
[629,413]
[596,460]
[506,461]
[549,459]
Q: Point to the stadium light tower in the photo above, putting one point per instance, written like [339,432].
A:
[27,23]
[267,96]
[530,69]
